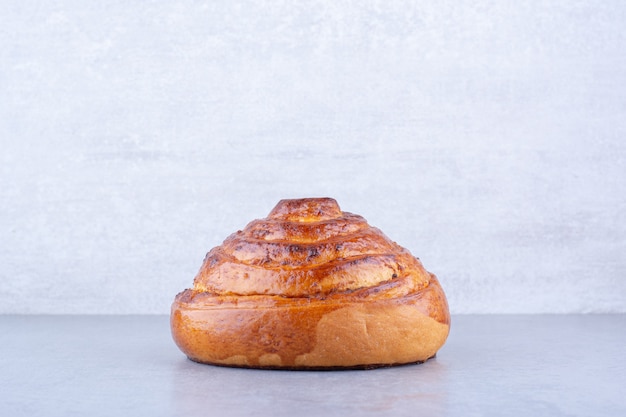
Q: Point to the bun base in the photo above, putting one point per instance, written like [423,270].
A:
[270,332]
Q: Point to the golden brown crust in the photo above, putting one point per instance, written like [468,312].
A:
[310,287]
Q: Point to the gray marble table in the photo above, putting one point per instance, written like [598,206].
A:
[533,365]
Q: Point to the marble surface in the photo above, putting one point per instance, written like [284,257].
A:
[491,365]
[487,137]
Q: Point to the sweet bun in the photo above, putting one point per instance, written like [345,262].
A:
[310,287]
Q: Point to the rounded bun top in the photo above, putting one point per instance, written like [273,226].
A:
[306,210]
[308,248]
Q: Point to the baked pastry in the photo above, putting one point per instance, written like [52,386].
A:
[310,287]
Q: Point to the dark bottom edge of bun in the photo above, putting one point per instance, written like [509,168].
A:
[315,368]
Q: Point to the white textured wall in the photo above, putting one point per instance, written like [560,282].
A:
[489,138]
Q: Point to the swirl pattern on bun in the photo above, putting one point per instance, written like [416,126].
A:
[310,287]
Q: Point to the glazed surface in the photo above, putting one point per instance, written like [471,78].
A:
[310,286]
